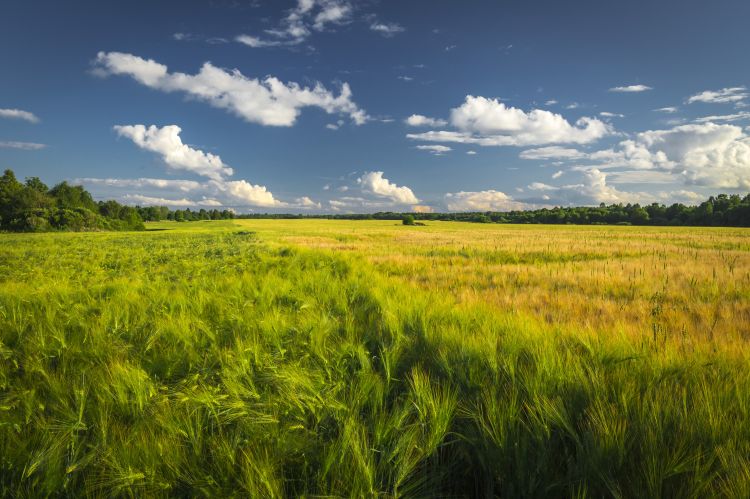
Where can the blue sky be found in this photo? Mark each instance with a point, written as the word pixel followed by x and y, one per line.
pixel 358 106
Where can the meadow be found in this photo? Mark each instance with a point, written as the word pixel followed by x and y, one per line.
pixel 330 358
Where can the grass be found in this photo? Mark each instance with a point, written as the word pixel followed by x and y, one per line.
pixel 273 358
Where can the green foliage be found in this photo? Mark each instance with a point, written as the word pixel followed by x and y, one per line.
pixel 32 207
pixel 720 211
pixel 407 219
pixel 212 363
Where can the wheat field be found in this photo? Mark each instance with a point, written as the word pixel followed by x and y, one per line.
pixel 321 358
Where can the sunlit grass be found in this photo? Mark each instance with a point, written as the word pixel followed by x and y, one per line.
pixel 272 358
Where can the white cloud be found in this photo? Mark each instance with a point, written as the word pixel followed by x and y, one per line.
pixel 255 42
pixel 744 115
pixel 557 174
pixel 405 78
pixel 471 153
pixel 374 183
pixel 299 22
pixel 550 102
pixel 539 186
pixel 269 102
pixel 489 200
pixel 611 115
pixel 437 150
pixel 723 96
pixel 140 183
pixel 552 152
pixel 707 154
pixel 19 114
pixel 243 193
pixel 306 203
pixel 631 88
pixel 421 208
pixel 331 12
pixel 489 122
pixel 420 120
pixel 138 199
pixel 167 143
pixel 387 29
pixel 25 146
pixel 668 110
pixel 594 188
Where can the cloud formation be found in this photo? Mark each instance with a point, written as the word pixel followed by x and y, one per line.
pixel 706 154
pixel 167 143
pixel 489 122
pixel 437 150
pixel 300 22
pixel 268 102
pixel 19 114
pixel 723 96
pixel 374 183
pixel 631 88
pixel 387 29
pixel 420 120
pixel 489 200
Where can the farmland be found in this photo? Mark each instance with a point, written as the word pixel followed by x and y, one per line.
pixel 267 358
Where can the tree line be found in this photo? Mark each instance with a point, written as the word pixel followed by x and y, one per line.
pixel 31 206
pixel 722 210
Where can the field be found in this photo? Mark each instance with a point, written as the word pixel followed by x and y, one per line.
pixel 287 358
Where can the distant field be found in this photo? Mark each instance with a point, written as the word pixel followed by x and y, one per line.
pixel 267 358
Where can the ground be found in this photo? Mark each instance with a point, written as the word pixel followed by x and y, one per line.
pixel 358 358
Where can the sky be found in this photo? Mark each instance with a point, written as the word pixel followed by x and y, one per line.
pixel 340 106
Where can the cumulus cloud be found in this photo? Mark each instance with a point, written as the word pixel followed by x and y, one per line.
pixel 167 143
pixel 723 96
pixel 421 208
pixel 25 146
pixel 387 29
pixel 19 114
pixel 668 110
pixel 706 154
pixel 420 120
pixel 436 150
pixel 595 188
pixel 306 203
pixel 631 88
pixel 269 102
pixel 592 190
pixel 611 115
pixel 374 183
pixel 489 122
pixel 490 200
pixel 300 21
pixel 709 154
